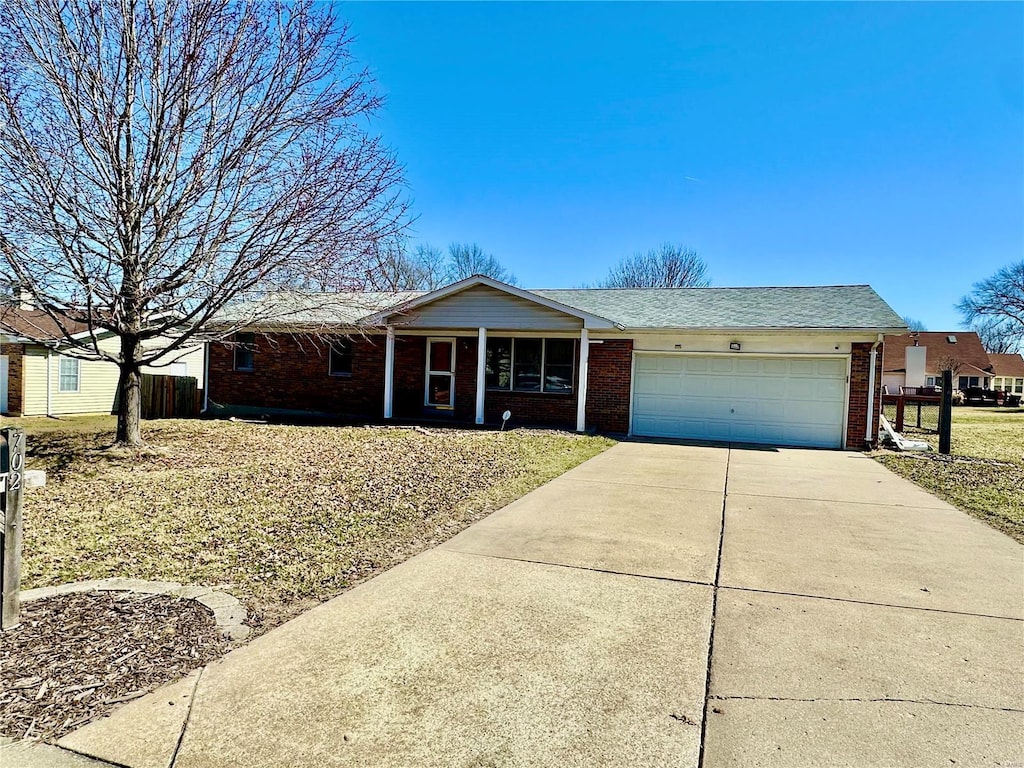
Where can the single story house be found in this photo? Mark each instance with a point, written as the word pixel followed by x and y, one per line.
pixel 39 378
pixel 789 366
pixel 1008 373
pixel 918 360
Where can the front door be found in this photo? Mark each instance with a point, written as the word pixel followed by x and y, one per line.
pixel 440 389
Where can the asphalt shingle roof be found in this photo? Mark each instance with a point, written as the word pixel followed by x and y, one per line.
pixel 1007 365
pixel 834 306
pixel 297 308
pixel 820 307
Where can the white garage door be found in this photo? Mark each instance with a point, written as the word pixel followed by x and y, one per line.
pixel 772 400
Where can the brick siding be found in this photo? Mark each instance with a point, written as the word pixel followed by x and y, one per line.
pixel 860 368
pixel 290 373
pixel 610 370
pixel 15 377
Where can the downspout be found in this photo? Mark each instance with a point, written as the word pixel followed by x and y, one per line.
pixel 869 437
pixel 49 387
pixel 206 378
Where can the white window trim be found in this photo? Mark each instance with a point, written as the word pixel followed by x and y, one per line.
pixel 574 365
pixel 61 359
pixel 449 373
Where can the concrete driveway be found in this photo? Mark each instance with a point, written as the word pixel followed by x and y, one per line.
pixel 845 616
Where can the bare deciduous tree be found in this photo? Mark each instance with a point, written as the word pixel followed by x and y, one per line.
pixel 914 325
pixel 949 363
pixel 998 338
pixel 161 160
pixel 466 260
pixel 995 309
pixel 668 266
pixel 428 267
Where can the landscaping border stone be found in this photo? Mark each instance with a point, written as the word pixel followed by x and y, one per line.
pixel 228 612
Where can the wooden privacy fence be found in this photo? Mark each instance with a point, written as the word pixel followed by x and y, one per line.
pixel 169 397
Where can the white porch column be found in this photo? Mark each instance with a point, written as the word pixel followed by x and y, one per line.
pixel 389 372
pixel 481 373
pixel 581 404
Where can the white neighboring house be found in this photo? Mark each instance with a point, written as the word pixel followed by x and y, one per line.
pixel 1008 373
pixel 37 379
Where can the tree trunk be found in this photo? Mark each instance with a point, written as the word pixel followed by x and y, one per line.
pixel 129 388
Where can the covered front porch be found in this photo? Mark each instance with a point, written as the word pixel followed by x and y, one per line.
pixel 454 375
pixel 474 349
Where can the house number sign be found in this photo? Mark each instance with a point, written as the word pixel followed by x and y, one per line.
pixel 12 473
pixel 12 462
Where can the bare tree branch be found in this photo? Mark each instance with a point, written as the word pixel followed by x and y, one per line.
pixel 995 309
pixel 163 161
pixel 667 266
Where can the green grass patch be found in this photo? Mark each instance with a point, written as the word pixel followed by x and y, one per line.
pixel 283 516
pixel 984 476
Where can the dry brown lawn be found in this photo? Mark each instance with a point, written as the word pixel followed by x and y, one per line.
pixel 281 516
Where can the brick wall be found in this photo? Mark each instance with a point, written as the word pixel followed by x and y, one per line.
pixel 860 367
pixel 15 377
pixel 611 366
pixel 290 372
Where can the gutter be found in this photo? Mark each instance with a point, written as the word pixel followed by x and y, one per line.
pixel 869 438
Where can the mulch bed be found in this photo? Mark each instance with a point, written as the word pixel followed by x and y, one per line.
pixel 75 657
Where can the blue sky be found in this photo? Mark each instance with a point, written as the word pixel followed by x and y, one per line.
pixel 789 144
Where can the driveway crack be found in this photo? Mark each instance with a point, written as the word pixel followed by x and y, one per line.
pixel 714 613
pixel 861 700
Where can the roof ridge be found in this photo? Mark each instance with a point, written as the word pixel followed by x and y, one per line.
pixel 705 288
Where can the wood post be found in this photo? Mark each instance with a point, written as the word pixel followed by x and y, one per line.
pixel 12 483
pixel 901 405
pixel 946 413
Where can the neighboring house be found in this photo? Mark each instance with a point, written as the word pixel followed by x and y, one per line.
pixel 1008 373
pixel 785 366
pixel 918 360
pixel 39 378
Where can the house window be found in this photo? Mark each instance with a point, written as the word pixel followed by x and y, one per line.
pixel 1018 387
pixel 70 378
pixel 530 365
pixel 244 343
pixel 527 362
pixel 966 382
pixel 499 364
pixel 340 363
pixel 931 381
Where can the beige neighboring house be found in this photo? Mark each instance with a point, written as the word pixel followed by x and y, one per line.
pixel 1008 373
pixel 37 378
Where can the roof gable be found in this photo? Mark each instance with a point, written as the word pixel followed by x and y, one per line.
pixel 495 288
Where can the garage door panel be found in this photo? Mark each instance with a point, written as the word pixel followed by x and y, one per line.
pixel 787 401
pixel 833 367
pixel 831 389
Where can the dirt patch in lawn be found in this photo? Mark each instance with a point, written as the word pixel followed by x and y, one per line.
pixel 75 657
pixel 280 516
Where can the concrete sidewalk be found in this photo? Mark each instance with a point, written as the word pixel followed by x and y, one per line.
pixel 857 621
